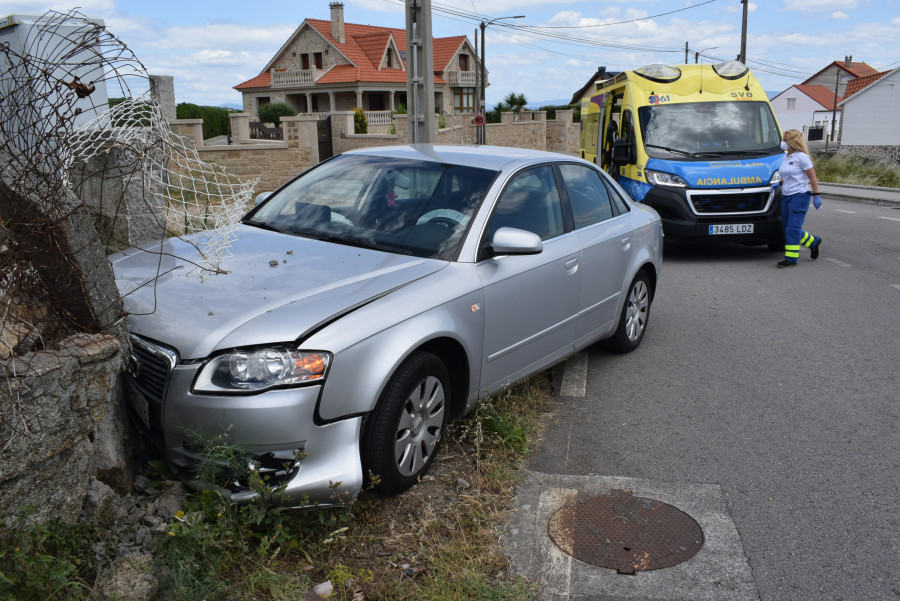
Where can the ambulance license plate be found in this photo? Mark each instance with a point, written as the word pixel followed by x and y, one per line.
pixel 731 228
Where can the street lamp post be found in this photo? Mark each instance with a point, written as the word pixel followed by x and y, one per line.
pixel 697 54
pixel 481 105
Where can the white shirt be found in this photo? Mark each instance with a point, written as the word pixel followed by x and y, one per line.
pixel 793 173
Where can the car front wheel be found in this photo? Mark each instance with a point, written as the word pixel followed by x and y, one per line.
pixel 635 315
pixel 404 431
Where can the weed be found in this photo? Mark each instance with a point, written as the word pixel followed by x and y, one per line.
pixel 852 169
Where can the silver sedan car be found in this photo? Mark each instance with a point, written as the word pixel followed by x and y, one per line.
pixel 375 297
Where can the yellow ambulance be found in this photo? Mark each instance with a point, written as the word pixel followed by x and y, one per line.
pixel 698 143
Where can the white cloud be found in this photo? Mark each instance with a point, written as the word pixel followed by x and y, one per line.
pixel 839 15
pixel 820 6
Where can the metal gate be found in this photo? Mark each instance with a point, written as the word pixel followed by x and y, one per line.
pixel 323 135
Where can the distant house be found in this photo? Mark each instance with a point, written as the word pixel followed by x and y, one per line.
pixel 584 94
pixel 870 110
pixel 811 104
pixel 331 65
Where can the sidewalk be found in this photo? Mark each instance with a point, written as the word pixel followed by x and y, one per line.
pixel 867 194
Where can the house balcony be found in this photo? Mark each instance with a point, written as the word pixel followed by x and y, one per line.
pixel 462 78
pixel 294 78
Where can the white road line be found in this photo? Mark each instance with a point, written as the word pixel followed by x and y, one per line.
pixel 843 211
pixel 574 382
pixel 889 218
pixel 553 564
pixel 841 263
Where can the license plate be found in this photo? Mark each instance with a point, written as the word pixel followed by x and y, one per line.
pixel 138 402
pixel 731 228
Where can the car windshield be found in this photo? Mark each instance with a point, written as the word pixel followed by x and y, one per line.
pixel 709 129
pixel 419 208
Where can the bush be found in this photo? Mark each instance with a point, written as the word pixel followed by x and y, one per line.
pixel 274 111
pixel 360 123
pixel 552 108
pixel 216 121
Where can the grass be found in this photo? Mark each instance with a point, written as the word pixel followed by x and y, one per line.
pixel 851 169
pixel 438 541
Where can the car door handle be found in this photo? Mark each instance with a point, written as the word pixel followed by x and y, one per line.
pixel 571 265
pixel 626 243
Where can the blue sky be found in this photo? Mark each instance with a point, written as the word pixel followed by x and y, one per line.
pixel 209 47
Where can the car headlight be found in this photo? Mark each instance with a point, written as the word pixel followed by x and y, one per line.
pixel 658 178
pixel 775 178
pixel 253 370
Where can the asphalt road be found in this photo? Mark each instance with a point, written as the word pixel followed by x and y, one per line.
pixel 764 403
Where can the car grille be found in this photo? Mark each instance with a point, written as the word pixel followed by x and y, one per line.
pixel 154 365
pixel 738 202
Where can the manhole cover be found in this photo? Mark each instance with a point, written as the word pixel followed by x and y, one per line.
pixel 625 533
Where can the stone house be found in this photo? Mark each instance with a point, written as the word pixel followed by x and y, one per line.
pixel 330 66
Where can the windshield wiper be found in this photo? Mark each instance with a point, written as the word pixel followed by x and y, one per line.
pixel 675 150
pixel 352 242
pixel 263 225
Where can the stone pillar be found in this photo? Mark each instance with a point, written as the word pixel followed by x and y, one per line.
pixel 359 102
pixel 191 130
pixel 539 115
pixel 309 102
pixel 401 124
pixel 331 107
pixel 162 89
pixel 240 127
pixel 393 94
pixel 303 134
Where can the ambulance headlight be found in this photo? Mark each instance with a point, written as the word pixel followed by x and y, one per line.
pixel 658 178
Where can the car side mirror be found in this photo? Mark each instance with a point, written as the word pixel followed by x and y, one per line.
pixel 513 241
pixel 622 152
pixel 262 196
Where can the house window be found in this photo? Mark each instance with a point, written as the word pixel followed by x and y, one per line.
pixel 389 59
pixel 464 100
pixel 463 62
pixel 304 62
pixel 791 103
pixel 318 58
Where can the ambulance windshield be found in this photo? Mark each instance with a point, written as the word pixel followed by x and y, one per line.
pixel 709 129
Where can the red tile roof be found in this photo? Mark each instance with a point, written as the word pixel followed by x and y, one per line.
pixel 854 69
pixel 820 94
pixel 364 46
pixel 855 85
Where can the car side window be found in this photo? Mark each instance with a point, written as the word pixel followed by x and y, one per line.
pixel 620 207
pixel 530 202
pixel 588 196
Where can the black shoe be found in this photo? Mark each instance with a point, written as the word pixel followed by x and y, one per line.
pixel 784 264
pixel 814 251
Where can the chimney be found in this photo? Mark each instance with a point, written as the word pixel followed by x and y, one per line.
pixel 848 60
pixel 337 22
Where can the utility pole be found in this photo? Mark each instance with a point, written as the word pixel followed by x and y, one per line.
pixel 419 72
pixel 837 83
pixel 482 139
pixel 742 57
pixel 685 53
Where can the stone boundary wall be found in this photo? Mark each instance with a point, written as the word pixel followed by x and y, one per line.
pixel 50 466
pixel 887 153
pixel 277 162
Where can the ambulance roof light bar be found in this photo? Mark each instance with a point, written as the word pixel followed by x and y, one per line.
pixel 660 73
pixel 731 70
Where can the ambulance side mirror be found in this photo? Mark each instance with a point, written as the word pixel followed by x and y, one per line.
pixel 622 152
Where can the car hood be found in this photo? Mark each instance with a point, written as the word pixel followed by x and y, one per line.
pixel 277 287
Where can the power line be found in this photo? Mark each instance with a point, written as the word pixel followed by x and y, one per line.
pixel 671 12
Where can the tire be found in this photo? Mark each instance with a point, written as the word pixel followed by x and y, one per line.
pixel 635 316
pixel 403 433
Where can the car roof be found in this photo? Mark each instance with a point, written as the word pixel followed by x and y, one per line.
pixel 485 157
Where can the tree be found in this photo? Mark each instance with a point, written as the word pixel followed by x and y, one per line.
pixel 274 111
pixel 515 102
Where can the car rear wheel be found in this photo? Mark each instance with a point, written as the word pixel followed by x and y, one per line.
pixel 404 431
pixel 635 315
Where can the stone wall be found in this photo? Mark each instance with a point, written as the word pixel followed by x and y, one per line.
pixel 49 458
pixel 886 153
pixel 276 162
